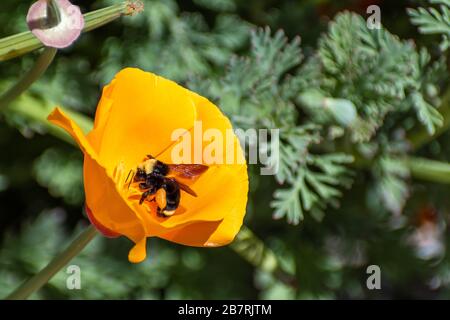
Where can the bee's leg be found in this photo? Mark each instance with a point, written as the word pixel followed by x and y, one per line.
pixel 159 213
pixel 143 186
pixel 144 196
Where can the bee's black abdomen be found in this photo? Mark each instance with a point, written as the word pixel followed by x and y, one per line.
pixel 172 194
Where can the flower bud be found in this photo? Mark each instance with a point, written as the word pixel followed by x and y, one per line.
pixel 343 111
pixel 56 23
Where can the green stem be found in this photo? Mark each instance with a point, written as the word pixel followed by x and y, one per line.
pixel 429 170
pixel 254 251
pixel 36 110
pixel 43 62
pixel 419 168
pixel 40 279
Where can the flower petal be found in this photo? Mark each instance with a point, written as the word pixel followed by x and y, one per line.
pixel 222 190
pixel 101 118
pixel 139 251
pixel 137 116
pixel 227 207
pixel 102 197
pixel 195 234
pixel 103 230
pixel 137 105
pixel 219 192
pixel 143 113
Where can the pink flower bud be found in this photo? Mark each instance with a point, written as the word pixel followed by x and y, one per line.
pixel 55 29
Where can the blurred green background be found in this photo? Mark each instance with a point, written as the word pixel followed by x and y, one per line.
pixel 384 217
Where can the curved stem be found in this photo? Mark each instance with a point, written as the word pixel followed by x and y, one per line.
pixel 255 252
pixel 40 279
pixel 43 62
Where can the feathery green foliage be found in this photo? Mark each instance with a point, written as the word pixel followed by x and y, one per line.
pixel 383 79
pixel 434 21
pixel 61 173
pixel 357 78
pixel 257 92
pixel 374 70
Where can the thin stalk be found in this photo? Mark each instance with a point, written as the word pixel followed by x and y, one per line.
pixel 429 170
pixel 41 65
pixel 419 168
pixel 40 279
pixel 35 111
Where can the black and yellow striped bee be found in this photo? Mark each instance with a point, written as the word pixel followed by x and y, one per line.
pixel 158 182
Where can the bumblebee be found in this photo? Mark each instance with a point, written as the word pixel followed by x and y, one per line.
pixel 157 181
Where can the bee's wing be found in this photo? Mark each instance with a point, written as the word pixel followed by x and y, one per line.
pixel 187 171
pixel 187 189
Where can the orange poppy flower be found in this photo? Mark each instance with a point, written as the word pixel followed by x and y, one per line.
pixel 136 116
